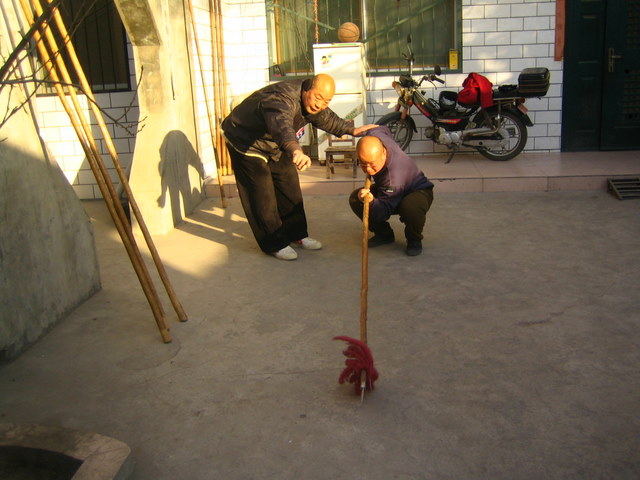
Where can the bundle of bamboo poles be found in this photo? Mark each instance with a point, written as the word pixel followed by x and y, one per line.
pixel 219 91
pixel 221 100
pixel 59 73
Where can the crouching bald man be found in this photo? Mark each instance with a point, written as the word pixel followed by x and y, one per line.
pixel 398 188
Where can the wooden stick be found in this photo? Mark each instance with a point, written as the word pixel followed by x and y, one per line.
pixel 121 174
pixel 365 265
pixel 365 281
pixel 206 101
pixel 104 182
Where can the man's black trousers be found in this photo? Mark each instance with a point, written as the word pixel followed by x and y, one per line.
pixel 412 210
pixel 271 198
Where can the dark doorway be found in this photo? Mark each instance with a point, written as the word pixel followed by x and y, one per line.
pixel 601 85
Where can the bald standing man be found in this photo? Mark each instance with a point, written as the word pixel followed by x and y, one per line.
pixel 263 134
pixel 398 188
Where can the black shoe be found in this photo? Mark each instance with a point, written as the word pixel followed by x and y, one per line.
pixel 378 240
pixel 414 247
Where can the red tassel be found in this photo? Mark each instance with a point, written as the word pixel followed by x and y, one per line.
pixel 359 358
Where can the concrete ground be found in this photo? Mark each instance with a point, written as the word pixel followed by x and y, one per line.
pixel 510 349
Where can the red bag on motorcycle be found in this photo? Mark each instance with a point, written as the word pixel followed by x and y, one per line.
pixel 476 89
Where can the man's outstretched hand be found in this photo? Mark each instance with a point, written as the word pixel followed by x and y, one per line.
pixel 360 131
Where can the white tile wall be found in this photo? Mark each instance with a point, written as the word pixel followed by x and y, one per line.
pixel 62 140
pixel 500 38
pixel 246 49
pixel 204 88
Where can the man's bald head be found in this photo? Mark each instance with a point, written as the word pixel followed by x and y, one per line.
pixel 324 84
pixel 372 155
pixel 317 98
pixel 369 146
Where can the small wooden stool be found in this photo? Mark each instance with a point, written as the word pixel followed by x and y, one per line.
pixel 344 146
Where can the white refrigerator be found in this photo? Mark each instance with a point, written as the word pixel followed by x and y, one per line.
pixel 345 62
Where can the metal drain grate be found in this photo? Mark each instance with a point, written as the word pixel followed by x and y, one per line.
pixel 624 188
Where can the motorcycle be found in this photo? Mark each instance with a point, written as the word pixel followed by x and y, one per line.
pixel 491 120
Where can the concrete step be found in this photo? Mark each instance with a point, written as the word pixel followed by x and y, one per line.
pixel 529 172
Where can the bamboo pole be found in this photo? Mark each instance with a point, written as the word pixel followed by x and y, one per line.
pixel 104 182
pixel 124 181
pixel 365 265
pixel 217 92
pixel 217 87
pixel 221 100
pixel 212 128
pixel 276 21
pixel 26 38
pixel 364 290
pixel 315 21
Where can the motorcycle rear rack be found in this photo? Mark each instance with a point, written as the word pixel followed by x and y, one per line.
pixel 513 93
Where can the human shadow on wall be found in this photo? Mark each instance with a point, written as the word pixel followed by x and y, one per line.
pixel 177 157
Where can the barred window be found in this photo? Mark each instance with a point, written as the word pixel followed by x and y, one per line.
pixel 435 27
pixel 99 40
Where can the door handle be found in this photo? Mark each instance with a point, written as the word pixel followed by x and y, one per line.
pixel 612 59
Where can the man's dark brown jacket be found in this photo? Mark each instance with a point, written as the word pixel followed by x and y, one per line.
pixel 271 120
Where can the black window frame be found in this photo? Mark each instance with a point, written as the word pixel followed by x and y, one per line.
pixel 100 42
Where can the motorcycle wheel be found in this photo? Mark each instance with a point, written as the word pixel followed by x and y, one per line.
pixel 400 129
pixel 517 138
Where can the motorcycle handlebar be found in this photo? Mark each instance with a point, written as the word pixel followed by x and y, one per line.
pixel 430 78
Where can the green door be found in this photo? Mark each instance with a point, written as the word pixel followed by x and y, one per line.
pixel 601 85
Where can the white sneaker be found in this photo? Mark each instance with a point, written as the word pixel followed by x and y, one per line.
pixel 287 253
pixel 308 243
